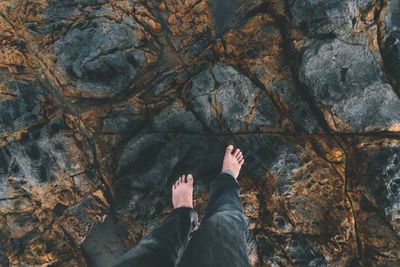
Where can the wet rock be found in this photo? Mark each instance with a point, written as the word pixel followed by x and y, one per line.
pixel 350 92
pixel 102 59
pixel 227 101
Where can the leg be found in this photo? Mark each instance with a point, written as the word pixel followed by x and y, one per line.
pixel 221 238
pixel 165 245
pixel 223 195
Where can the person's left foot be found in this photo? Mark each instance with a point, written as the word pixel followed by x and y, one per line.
pixel 182 192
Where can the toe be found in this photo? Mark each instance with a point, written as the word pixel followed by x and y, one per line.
pixel 190 178
pixel 229 149
pixel 182 179
pixel 236 152
pixel 240 157
pixel 241 161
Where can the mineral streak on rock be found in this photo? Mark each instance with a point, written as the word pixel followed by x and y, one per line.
pixel 103 104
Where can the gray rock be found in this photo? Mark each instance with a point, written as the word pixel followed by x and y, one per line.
pixel 391 41
pixel 21 104
pixel 322 17
pixel 345 81
pixel 176 118
pixel 376 108
pixel 302 253
pixel 46 156
pixel 225 15
pixel 392 18
pixel 391 53
pixel 79 219
pixel 126 120
pixel 268 153
pixel 326 16
pixel 227 101
pixel 102 59
pixel 3 257
pixel 385 165
pixel 46 183
pixel 122 124
pixel 299 110
pixel 298 249
pixel 104 244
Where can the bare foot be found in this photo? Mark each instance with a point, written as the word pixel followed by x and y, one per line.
pixel 182 192
pixel 232 161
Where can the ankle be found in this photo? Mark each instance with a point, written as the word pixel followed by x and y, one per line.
pixel 227 171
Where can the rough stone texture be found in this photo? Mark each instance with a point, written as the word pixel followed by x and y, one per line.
pixel 350 92
pixel 104 103
pixel 375 196
pixel 102 59
pixel 328 17
pixel 225 100
pixel 391 38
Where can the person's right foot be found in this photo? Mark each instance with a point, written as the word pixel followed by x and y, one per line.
pixel 232 161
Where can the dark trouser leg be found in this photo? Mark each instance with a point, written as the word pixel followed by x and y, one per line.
pixel 164 245
pixel 221 237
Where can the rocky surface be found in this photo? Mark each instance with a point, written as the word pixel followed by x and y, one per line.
pixel 104 103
